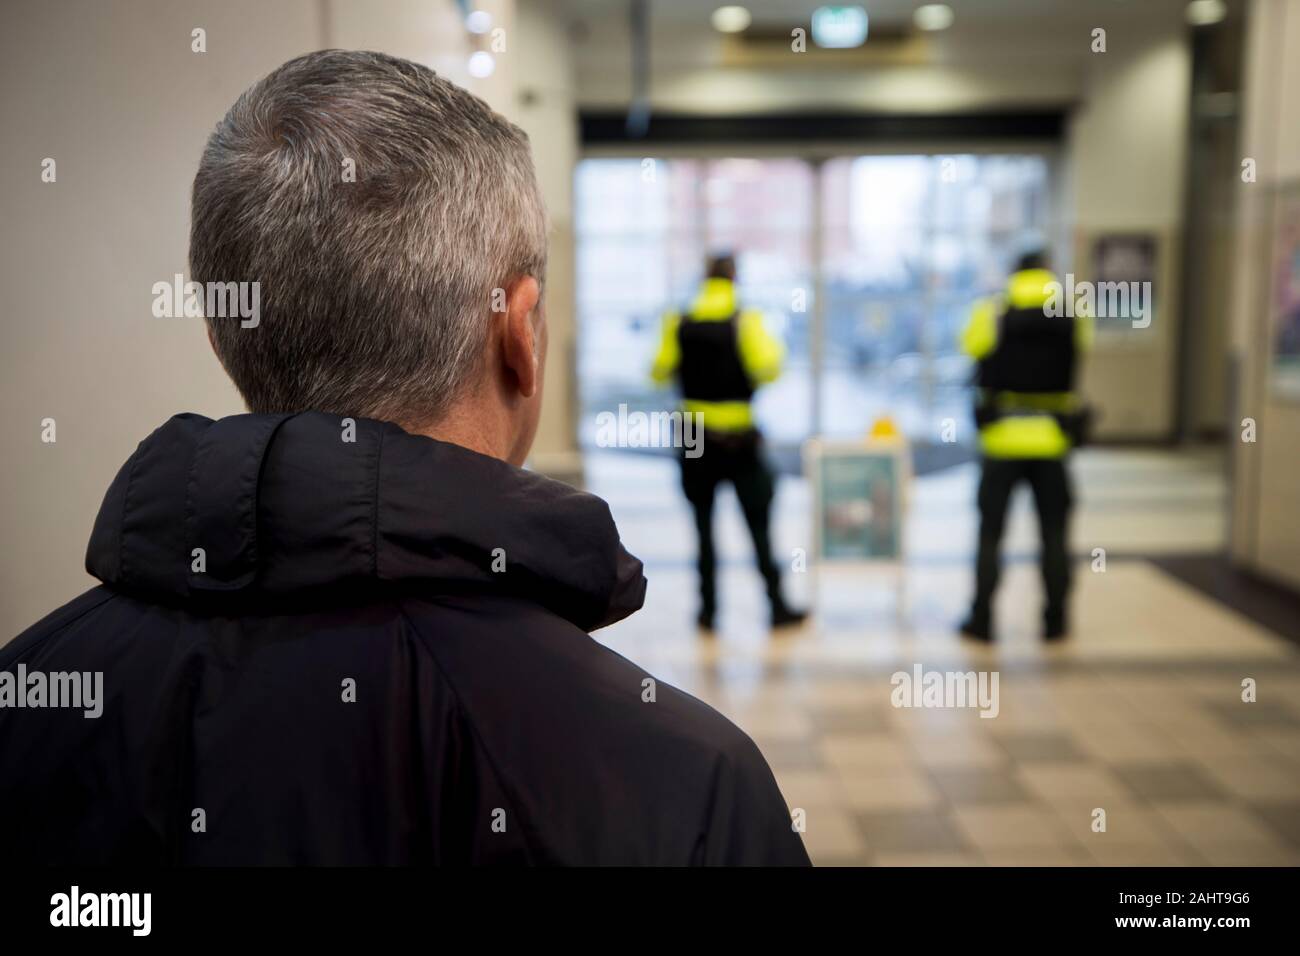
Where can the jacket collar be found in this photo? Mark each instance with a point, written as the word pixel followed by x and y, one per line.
pixel 1028 288
pixel 273 506
pixel 715 300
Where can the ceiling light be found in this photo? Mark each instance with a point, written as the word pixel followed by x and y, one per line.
pixel 481 64
pixel 479 21
pixel 730 19
pixel 933 16
pixel 1203 13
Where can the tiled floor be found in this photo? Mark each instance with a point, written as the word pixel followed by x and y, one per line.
pixel 1138 717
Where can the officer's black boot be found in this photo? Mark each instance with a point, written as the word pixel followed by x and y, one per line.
pixel 978 626
pixel 1054 625
pixel 785 616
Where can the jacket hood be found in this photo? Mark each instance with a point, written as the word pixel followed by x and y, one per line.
pixel 285 506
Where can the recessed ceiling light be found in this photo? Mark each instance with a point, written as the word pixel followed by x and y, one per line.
pixel 481 64
pixel 1203 13
pixel 731 19
pixel 933 16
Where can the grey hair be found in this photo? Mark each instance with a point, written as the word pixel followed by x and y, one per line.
pixel 376 295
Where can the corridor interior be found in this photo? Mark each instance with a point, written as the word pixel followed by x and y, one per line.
pixel 1140 714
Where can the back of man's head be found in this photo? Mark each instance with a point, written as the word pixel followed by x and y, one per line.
pixel 378 206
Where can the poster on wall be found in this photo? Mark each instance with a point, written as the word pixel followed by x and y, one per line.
pixel 1124 274
pixel 1284 301
pixel 858 492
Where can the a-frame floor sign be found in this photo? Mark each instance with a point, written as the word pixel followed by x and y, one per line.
pixel 859 498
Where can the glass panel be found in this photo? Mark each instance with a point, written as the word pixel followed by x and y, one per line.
pixel 874 211
pixel 761 209
pixel 629 229
pixel 910 243
pixel 643 230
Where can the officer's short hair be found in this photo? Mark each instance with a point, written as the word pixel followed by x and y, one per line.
pixel 1033 259
pixel 722 267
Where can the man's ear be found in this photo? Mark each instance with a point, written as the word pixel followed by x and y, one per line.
pixel 519 335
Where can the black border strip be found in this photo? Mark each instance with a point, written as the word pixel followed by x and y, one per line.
pixel 1269 604
pixel 605 127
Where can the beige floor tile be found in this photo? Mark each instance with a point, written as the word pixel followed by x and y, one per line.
pixel 838 693
pixel 1034 856
pixel 811 788
pixel 927 859
pixel 937 722
pixel 1200 736
pixel 1250 853
pixel 1009 826
pixel 1127 822
pixel 1281 741
pixel 784 723
pixel 1008 723
pixel 1272 685
pixel 958 750
pixel 849 752
pixel 1254 777
pixel 852 862
pixel 790 754
pixel 1073 784
pixel 1109 853
pixel 892 788
pixel 1207 826
pixel 1117 743
pixel 833 834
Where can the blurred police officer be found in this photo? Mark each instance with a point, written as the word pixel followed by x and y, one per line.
pixel 1029 418
pixel 719 353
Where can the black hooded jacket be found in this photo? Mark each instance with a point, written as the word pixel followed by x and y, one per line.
pixel 322 651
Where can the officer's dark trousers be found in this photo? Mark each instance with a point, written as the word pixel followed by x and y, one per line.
pixel 739 460
pixel 1051 486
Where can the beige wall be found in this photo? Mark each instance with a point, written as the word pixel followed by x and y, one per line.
pixel 112 92
pixel 544 107
pixel 1266 486
pixel 993 58
pixel 1126 159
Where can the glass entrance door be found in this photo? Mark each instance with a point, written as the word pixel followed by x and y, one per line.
pixel 910 242
pixel 644 229
pixel 899 246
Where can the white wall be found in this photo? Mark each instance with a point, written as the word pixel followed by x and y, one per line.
pixel 112 92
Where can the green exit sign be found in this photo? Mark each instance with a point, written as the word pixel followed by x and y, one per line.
pixel 839 27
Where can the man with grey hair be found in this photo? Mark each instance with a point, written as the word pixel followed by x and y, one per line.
pixel 347 627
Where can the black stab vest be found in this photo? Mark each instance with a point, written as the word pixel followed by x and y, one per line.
pixel 711 369
pixel 1034 353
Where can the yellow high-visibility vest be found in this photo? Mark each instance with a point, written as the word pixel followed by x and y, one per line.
pixel 761 353
pixel 1032 431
